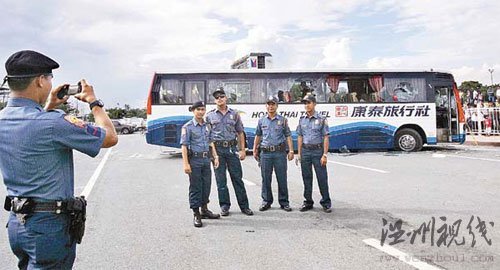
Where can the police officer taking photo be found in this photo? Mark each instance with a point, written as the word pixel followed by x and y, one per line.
pixel 312 142
pixel 270 136
pixel 196 146
pixel 36 159
pixel 227 133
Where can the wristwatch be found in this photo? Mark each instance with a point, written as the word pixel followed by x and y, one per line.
pixel 96 102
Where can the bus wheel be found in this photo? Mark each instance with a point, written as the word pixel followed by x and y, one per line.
pixel 408 140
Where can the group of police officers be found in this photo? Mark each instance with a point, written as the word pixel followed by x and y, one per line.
pixel 36 159
pixel 217 138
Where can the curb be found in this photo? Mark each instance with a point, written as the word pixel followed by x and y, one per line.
pixel 482 143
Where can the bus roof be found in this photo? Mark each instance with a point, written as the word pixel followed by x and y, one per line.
pixel 238 71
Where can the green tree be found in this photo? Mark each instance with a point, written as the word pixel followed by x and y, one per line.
pixel 116 113
pixel 470 85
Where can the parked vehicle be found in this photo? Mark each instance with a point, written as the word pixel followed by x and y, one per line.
pixel 123 128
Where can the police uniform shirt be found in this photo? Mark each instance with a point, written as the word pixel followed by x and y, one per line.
pixel 36 156
pixel 273 131
pixel 312 129
pixel 196 136
pixel 224 127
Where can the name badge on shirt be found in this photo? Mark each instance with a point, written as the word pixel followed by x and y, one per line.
pixel 231 117
pixel 279 122
pixel 317 122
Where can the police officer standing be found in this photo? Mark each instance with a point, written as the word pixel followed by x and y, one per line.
pixel 270 136
pixel 195 143
pixel 312 144
pixel 227 133
pixel 36 160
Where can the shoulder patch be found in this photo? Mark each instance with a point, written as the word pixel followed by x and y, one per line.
pixel 75 121
pixel 183 130
pixel 94 131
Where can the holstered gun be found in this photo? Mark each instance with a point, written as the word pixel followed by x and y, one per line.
pixel 77 209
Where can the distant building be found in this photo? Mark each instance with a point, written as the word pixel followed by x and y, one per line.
pixel 254 61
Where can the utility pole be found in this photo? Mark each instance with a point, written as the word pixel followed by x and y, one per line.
pixel 491 74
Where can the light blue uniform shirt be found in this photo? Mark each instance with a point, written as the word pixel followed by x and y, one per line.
pixel 312 129
pixel 196 136
pixel 36 150
pixel 273 131
pixel 224 127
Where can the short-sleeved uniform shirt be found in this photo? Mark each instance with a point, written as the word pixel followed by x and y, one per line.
pixel 273 131
pixel 36 149
pixel 312 129
pixel 224 127
pixel 196 136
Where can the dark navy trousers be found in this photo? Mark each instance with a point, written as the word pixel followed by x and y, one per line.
pixel 309 159
pixel 200 181
pixel 229 160
pixel 276 161
pixel 43 242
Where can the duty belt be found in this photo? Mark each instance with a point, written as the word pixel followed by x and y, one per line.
pixel 20 205
pixel 200 154
pixel 226 143
pixel 312 146
pixel 273 148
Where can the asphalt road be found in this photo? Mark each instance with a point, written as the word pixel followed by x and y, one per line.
pixel 139 217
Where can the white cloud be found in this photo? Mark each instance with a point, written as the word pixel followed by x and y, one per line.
pixel 119 46
pixel 384 63
pixel 481 74
pixel 337 53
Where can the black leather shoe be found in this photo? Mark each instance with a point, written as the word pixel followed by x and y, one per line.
pixel 205 213
pixel 224 212
pixel 264 207
pixel 327 209
pixel 286 208
pixel 247 211
pixel 197 220
pixel 305 207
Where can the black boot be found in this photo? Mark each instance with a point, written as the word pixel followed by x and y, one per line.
pixel 197 218
pixel 205 213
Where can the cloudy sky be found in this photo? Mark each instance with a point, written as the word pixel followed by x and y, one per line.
pixel 118 45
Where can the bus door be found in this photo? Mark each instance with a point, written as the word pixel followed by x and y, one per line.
pixel 447 126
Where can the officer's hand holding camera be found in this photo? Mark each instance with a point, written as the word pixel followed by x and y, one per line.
pixel 87 94
pixel 53 101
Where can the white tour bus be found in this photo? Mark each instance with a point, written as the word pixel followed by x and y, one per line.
pixel 366 109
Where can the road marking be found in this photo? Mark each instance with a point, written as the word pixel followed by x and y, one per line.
pixel 359 167
pixel 250 183
pixel 409 259
pixel 474 158
pixel 90 184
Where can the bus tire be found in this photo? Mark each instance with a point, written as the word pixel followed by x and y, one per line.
pixel 408 140
pixel 125 131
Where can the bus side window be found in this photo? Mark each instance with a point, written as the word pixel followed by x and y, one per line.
pixel 171 92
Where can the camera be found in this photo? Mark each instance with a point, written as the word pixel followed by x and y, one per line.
pixel 69 90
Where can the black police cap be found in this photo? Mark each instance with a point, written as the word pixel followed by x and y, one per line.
pixel 195 105
pixel 29 64
pixel 219 91
pixel 309 97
